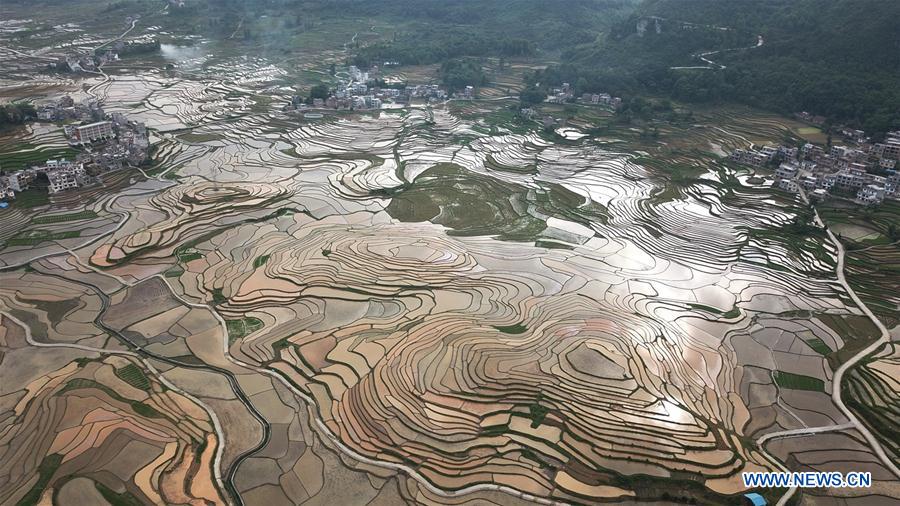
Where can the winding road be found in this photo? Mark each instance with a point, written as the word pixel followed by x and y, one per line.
pixel 711 65
pixel 854 422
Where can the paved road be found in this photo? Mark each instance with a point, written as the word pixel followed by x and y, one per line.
pixel 711 65
pixel 854 422
pixel 122 35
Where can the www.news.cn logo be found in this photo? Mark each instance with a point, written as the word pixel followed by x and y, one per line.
pixel 808 480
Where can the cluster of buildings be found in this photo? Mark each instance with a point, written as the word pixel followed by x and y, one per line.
pixel 810 118
pixel 67 110
pixel 765 155
pixel 602 98
pixel 866 170
pixel 61 175
pixel 110 144
pixel 566 93
pixel 88 134
pixel 360 92
pixel 546 121
pixel 561 95
pixel 79 63
pixel 91 62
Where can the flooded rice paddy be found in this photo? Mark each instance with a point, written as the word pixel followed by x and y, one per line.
pixel 400 297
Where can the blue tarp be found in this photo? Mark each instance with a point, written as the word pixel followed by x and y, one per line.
pixel 755 499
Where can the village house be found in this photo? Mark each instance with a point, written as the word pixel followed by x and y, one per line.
pixel 86 134
pixel 786 171
pixel 845 168
pixel 870 194
pixel 789 185
pixel 66 178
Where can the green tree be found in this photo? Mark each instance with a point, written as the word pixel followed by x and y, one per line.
pixel 317 91
pixel 532 96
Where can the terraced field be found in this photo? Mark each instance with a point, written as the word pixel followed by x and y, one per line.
pixel 422 306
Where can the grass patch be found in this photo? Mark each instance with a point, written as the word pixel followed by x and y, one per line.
pixel 281 344
pixel 46 469
pixel 218 296
pixel 145 410
pixel 798 382
pixel 61 218
pixel 260 261
pixel 240 328
pixel 512 329
pixel 32 197
pixel 537 412
pixel 495 430
pixel 184 255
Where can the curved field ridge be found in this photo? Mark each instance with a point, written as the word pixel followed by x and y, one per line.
pixel 450 340
pixel 400 307
pixel 187 208
pixel 107 421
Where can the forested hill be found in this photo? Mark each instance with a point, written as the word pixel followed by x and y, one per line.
pixel 856 33
pixel 437 30
pixel 835 58
pixel 422 31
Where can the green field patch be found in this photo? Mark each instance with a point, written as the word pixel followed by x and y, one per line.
pixel 511 329
pixel 218 296
pixel 495 430
pixel 731 313
pixel 46 469
pixel 195 137
pixel 32 197
pixel 240 328
pixel 537 412
pixel 551 244
pixel 60 218
pixel 812 134
pixel 186 255
pixel 134 376
pixel 851 326
pixel 23 159
pixel 260 261
pixel 172 175
pixel 174 272
pixel 798 381
pixel 137 406
pixel 35 237
pixel 818 346
pixel 476 205
pixel 281 344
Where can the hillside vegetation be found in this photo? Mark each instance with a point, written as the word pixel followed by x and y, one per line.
pixel 835 58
